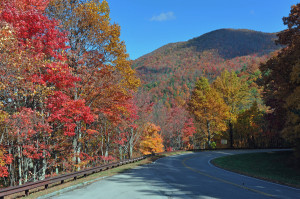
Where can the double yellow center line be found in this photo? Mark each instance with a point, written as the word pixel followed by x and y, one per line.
pixel 222 180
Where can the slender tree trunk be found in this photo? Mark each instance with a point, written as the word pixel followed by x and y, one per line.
pixel 107 146
pixel 231 134
pixel 11 171
pixel 56 167
pixel 179 144
pixel 125 151
pixel 75 143
pixel 79 149
pixel 120 152
pixel 34 171
pixel 130 151
pixel 44 161
pixel 25 169
pixel 44 166
pixel 102 140
pixel 20 165
pixel 106 140
pixel 208 134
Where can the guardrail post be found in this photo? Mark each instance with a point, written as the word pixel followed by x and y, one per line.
pixel 46 186
pixel 84 175
pixel 26 192
pixel 62 181
pixel 75 178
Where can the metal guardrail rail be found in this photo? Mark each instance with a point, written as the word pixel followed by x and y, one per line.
pixel 61 178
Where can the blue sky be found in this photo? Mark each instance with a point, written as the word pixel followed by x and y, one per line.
pixel 149 24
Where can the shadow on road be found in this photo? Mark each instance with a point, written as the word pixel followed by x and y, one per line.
pixel 166 177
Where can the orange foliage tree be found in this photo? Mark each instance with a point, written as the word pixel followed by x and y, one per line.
pixel 152 141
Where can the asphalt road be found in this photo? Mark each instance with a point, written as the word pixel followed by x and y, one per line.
pixel 183 176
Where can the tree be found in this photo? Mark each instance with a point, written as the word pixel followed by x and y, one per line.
pixel 142 107
pixel 175 124
pixel 234 92
pixel 281 81
pixel 188 134
pixel 63 108
pixel 99 59
pixel 33 69
pixel 152 141
pixel 90 30
pixel 249 128
pixel 208 108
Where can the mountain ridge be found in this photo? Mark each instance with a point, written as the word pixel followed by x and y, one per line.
pixel 206 41
pixel 169 73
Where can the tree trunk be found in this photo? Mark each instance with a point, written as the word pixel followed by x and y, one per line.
pixel 25 169
pixel 120 152
pixel 106 141
pixel 231 134
pixel 107 146
pixel 44 166
pixel 56 168
pixel 11 171
pixel 208 134
pixel 78 149
pixel 20 165
pixel 130 151
pixel 102 139
pixel 34 171
pixel 74 149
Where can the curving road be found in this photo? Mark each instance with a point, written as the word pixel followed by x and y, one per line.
pixel 183 176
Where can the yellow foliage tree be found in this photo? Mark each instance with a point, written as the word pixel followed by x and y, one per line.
pixel 208 108
pixel 235 93
pixel 152 141
pixel 90 30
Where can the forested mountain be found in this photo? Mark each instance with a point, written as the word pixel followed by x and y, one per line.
pixel 222 43
pixel 229 43
pixel 178 65
pixel 169 73
pixel 232 43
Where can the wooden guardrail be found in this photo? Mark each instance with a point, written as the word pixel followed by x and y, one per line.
pixel 61 178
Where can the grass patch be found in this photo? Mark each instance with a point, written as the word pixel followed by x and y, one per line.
pixel 273 166
pixel 34 193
